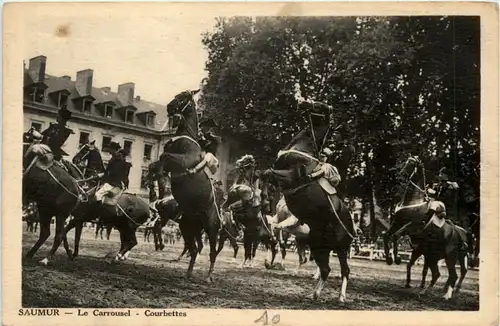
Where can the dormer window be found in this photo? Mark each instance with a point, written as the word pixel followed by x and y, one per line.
pixel 86 106
pixel 150 120
pixel 108 110
pixel 37 94
pixel 62 99
pixel 129 116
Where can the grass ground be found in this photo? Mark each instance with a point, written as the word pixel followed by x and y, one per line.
pixel 149 280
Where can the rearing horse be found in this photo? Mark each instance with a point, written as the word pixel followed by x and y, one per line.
pixel 409 214
pixel 311 198
pixel 193 191
pixel 245 200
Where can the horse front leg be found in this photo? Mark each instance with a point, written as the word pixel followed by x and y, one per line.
pixel 247 244
pixel 392 234
pixel 78 234
pixel 60 236
pixel 44 233
pixel 415 254
pixel 212 232
pixel 433 265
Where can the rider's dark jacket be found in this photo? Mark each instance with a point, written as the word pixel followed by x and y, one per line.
pixel 55 136
pixel 117 171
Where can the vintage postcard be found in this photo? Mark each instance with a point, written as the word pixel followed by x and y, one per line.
pixel 250 164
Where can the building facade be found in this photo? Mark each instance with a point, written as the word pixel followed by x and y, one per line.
pixel 97 114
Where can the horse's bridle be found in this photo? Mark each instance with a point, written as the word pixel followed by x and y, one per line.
pixel 313 134
pixel 180 112
pixel 418 164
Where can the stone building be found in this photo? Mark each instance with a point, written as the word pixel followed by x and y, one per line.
pixel 98 114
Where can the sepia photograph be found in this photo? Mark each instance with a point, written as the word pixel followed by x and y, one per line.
pixel 247 160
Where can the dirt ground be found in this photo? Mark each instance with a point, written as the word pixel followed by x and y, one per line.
pixel 148 280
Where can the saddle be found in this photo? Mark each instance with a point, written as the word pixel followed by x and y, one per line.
pixel 44 158
pixel 112 196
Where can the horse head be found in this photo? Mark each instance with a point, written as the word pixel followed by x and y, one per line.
pixel 316 112
pixel 182 112
pixel 411 177
pixel 81 155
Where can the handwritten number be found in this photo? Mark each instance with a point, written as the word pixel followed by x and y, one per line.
pixel 275 319
pixel 264 316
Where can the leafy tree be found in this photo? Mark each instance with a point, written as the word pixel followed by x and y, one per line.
pixel 399 86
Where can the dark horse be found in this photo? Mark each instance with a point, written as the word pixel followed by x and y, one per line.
pixel 310 199
pixel 55 193
pixel 410 217
pixel 193 191
pixel 245 200
pixel 59 193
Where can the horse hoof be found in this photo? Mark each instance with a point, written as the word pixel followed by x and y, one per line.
pixel 44 261
pixel 422 286
pixel 389 261
pixel 342 299
pixel 210 280
pixel 397 261
pixel 315 296
pixel 407 286
pixel 447 297
pixel 266 264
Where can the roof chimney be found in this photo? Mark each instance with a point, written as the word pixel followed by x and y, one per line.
pixel 137 98
pixel 36 68
pixel 126 93
pixel 84 82
pixel 106 89
pixel 66 77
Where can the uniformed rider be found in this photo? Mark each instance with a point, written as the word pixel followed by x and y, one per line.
pixel 57 133
pixel 115 178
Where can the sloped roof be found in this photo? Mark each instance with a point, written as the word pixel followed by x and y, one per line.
pixel 55 84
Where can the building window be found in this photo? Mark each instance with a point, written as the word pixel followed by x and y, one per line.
pixel 150 120
pixel 127 145
pixel 62 99
pixel 129 116
pixel 37 126
pixel 108 110
pixel 84 138
pixel 144 179
pixel 37 95
pixel 106 140
pixel 147 151
pixel 87 107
